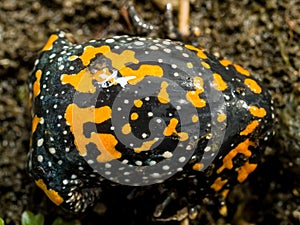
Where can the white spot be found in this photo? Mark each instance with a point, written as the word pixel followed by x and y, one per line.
pixel 138 163
pixel 59 162
pixel 185 55
pixel 110 40
pixel 126 101
pixel 107 165
pixel 167 50
pixel 174 66
pixel 160 60
pixel 144 135
pixel 112 128
pixel 182 159
pixel 179 48
pixel 188 148
pixel 55 106
pixel 150 114
pixel 71 68
pixel 52 150
pixel 178 107
pixel 167 154
pixel 147 99
pixel 52 56
pixel 40 142
pixel 158 120
pixel 65 181
pixel 165 167
pixel 153 47
pixel 139 43
pixel 155 175
pixel 65 132
pixel 207 148
pixel 90 161
pixel 152 163
pixel 61 67
pixel 67 149
pixel 176 74
pixel 40 158
pixel 107 173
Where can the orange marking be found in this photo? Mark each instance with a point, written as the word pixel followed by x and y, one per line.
pixel 49 44
pixel 146 146
pixel 193 96
pixel 218 83
pixel 198 166
pixel 200 53
pixel 163 95
pixel 225 62
pixel 134 116
pixel 252 85
pixel 106 144
pixel 245 170
pixel 90 52
pixel 225 193
pixel 241 148
pixel 250 128
pixel 195 118
pixel 138 103
pixel 205 65
pixel 52 195
pixel 218 184
pixel 37 83
pixel 221 117
pixel 141 73
pixel 241 70
pixel 171 130
pixel 258 112
pixel 76 118
pixel 183 136
pixel 119 61
pixel 223 210
pixel 73 57
pixel 83 81
pixel 35 122
pixel 126 129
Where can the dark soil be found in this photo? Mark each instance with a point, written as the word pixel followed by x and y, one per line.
pixel 262 36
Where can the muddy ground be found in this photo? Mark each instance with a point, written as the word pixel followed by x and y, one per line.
pixel 263 36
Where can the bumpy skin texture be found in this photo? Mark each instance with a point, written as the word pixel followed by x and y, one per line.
pixel 92 109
